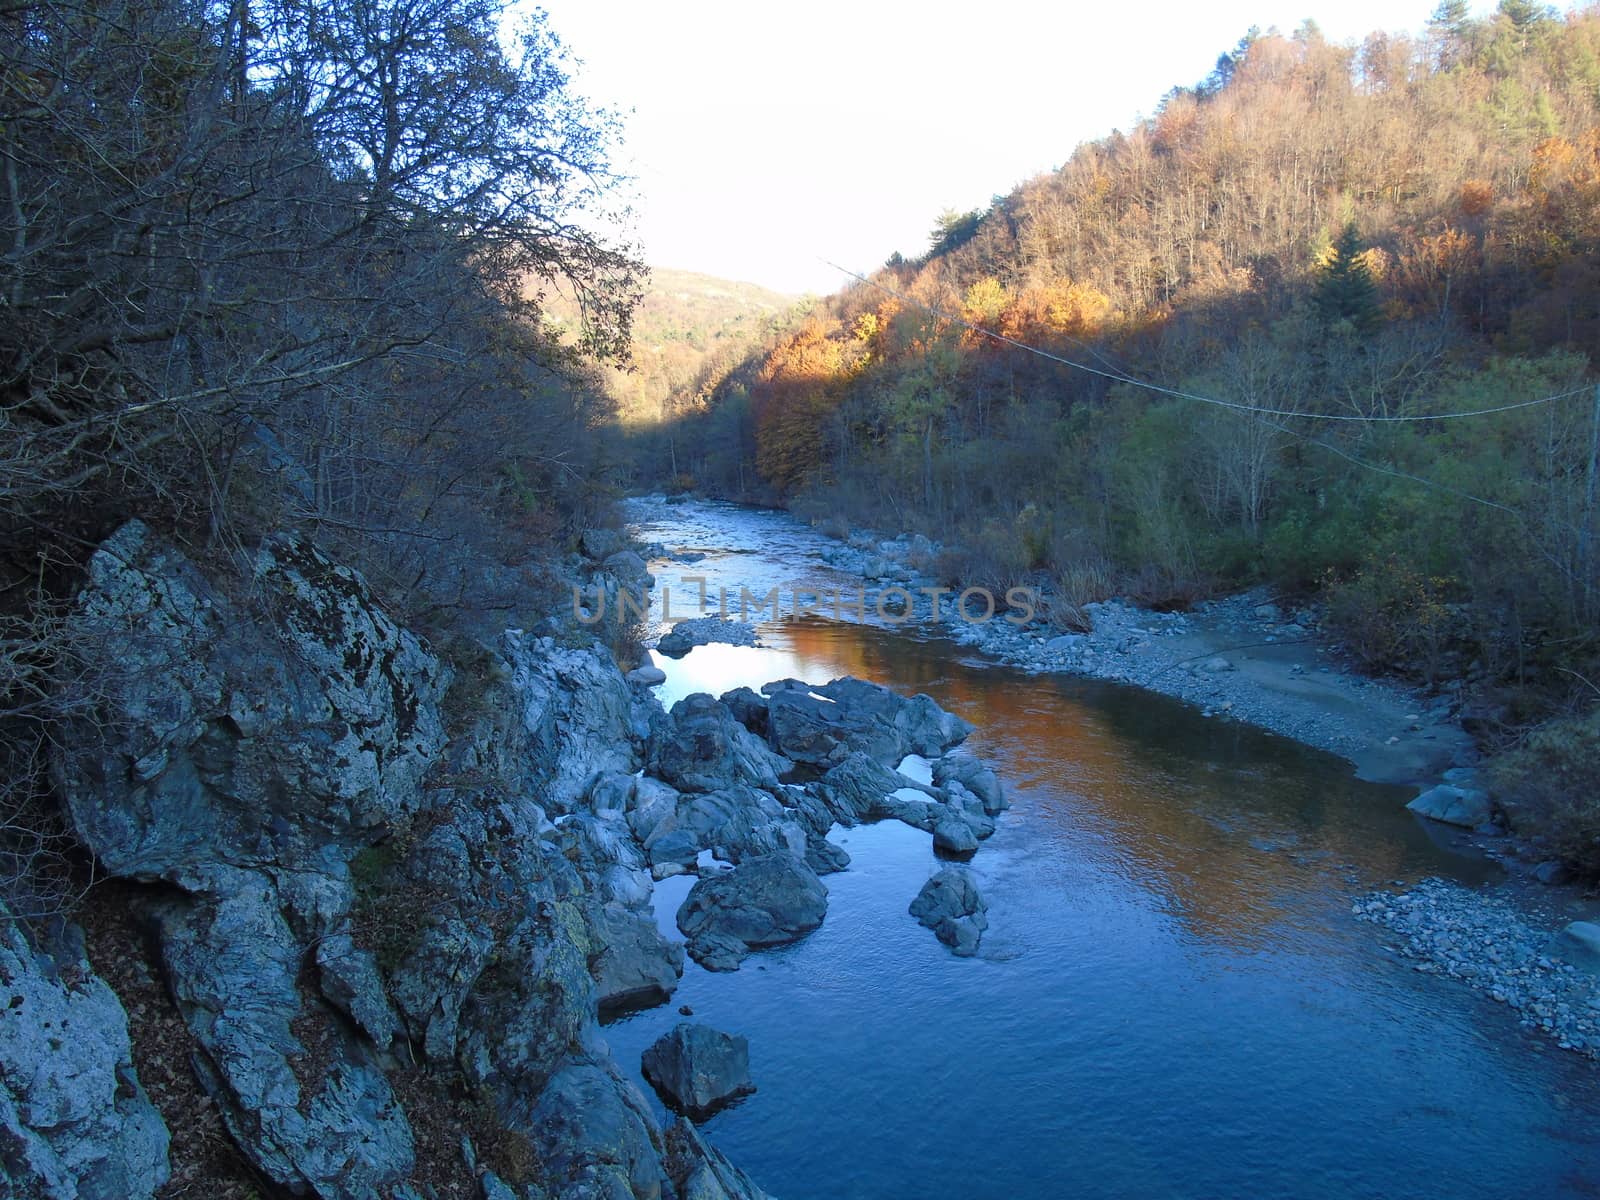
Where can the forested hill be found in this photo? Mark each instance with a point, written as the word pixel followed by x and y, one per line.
pixel 1341 234
pixel 688 329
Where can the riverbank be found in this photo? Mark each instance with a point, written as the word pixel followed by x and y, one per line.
pixel 1242 658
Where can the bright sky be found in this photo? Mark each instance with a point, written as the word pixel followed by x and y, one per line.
pixel 767 136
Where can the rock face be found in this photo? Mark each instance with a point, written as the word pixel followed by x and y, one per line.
pixel 73 1119
pixel 576 714
pixel 698 1069
pixel 226 739
pixel 949 904
pixel 232 962
pixel 1466 807
pixel 703 631
pixel 764 901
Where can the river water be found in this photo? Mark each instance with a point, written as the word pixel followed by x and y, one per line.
pixel 1172 998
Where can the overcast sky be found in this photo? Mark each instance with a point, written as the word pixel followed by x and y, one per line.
pixel 766 137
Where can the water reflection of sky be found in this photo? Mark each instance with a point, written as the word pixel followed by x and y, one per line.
pixel 1172 998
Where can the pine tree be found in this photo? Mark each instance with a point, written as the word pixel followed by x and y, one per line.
pixel 1346 292
pixel 1450 18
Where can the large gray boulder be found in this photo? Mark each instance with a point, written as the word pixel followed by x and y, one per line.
pixel 1466 807
pixel 576 714
pixel 698 1069
pixel 74 1120
pixel 764 901
pixel 703 749
pixel 950 905
pixel 635 966
pixel 704 631
pixel 217 739
pixel 823 726
pixel 737 823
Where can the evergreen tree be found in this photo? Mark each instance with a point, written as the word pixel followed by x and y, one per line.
pixel 1450 18
pixel 1524 14
pixel 1346 292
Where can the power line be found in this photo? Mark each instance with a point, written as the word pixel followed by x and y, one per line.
pixel 1122 377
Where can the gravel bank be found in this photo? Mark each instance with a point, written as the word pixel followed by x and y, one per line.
pixel 1485 942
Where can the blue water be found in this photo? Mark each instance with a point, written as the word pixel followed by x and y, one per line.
pixel 1172 999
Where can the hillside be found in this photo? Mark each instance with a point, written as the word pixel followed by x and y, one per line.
pixel 1275 300
pixel 688 328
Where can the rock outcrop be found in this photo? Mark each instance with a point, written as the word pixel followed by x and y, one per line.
pixel 337 881
pixel 337 887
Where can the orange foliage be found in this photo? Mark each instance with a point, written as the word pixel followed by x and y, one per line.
pixel 1075 309
pixel 1477 197
pixel 794 395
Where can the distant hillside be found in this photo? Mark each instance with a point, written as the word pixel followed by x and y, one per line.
pixel 1254 313
pixel 688 331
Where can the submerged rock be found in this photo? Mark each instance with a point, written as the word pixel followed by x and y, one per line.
pixel 698 1068
pixel 74 1120
pixel 704 631
pixel 950 905
pixel 764 901
pixel 953 836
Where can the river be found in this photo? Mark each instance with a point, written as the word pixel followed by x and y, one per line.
pixel 1172 999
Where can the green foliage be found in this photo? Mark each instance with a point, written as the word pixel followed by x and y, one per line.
pixel 1346 293
pixel 952 230
pixel 1549 788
